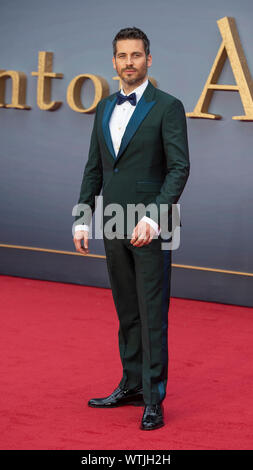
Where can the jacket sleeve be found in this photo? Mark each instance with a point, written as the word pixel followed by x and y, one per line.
pixel 92 177
pixel 175 144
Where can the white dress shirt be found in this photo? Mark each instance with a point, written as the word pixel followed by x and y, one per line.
pixel 118 122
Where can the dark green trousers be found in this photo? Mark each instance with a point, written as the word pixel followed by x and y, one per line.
pixel 140 281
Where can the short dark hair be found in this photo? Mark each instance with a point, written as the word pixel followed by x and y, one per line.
pixel 131 33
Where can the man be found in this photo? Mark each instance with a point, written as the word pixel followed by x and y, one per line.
pixel 138 154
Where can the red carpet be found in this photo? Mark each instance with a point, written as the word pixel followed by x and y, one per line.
pixel 59 347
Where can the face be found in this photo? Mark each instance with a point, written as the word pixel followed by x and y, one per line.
pixel 131 61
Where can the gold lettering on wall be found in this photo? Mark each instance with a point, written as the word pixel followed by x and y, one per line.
pixel 74 92
pixel 230 48
pixel 18 98
pixel 44 74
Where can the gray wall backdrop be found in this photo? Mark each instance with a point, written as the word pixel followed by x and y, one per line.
pixel 43 153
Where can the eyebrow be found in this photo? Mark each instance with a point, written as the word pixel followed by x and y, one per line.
pixel 134 52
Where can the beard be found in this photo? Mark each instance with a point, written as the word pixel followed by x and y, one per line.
pixel 137 77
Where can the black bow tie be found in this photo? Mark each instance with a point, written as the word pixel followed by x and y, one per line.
pixel 122 98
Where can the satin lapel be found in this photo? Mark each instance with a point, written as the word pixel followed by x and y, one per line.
pixel 105 124
pixel 142 109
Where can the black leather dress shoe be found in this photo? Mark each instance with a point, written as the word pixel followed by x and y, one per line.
pixel 119 397
pixel 152 417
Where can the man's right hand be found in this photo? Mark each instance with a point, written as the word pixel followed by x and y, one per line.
pixel 78 237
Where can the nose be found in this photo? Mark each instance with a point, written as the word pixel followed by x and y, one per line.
pixel 129 60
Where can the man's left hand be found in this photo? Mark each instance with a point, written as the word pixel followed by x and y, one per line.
pixel 142 234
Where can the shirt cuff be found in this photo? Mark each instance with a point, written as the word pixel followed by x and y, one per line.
pixel 82 227
pixel 152 223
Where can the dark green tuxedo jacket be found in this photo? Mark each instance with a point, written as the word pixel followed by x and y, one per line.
pixel 152 165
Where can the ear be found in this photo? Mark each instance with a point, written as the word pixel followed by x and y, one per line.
pixel 149 60
pixel 114 63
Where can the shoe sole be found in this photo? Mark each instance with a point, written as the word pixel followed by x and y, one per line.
pixel 152 429
pixel 133 403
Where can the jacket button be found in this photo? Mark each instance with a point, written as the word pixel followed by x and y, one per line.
pixel 116 170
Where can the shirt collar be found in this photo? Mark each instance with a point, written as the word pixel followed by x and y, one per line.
pixel 138 91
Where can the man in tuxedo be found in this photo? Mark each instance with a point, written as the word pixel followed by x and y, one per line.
pixel 138 155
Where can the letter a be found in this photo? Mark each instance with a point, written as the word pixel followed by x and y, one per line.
pixel 230 47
